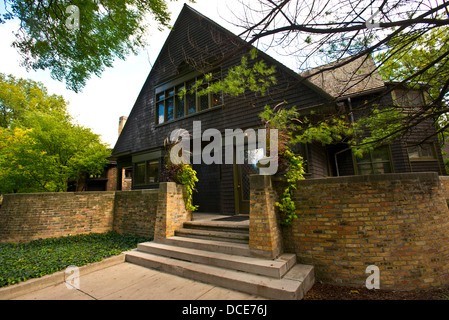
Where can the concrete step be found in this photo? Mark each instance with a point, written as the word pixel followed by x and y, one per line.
pixel 292 286
pixel 271 268
pixel 241 249
pixel 213 225
pixel 229 236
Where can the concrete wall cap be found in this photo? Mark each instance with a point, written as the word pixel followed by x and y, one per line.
pixel 387 177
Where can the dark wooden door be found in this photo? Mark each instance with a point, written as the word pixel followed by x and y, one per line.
pixel 207 195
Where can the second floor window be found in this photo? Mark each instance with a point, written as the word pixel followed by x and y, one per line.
pixel 422 152
pixel 180 100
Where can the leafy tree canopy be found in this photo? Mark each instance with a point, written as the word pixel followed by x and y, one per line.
pixel 19 97
pixel 41 146
pixel 416 58
pixel 49 39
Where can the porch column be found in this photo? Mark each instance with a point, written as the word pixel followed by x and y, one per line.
pixel 265 239
pixel 171 210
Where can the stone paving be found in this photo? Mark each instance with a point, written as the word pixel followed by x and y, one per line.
pixel 126 281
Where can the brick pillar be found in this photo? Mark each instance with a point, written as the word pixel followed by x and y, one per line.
pixel 171 210
pixel 265 239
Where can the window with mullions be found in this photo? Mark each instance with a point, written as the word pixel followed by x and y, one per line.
pixel 165 105
pixel 422 152
pixel 408 98
pixel 375 162
pixel 171 104
pixel 146 172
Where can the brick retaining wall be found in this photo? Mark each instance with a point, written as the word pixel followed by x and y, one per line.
pixel 30 216
pixel 398 222
pixel 135 212
pixel 25 217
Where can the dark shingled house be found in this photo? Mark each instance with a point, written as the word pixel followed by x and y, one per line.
pixel 192 49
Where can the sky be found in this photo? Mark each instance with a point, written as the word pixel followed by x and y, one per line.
pixel 103 100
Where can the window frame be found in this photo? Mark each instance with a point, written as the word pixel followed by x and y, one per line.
pixel 404 102
pixel 373 163
pixel 183 82
pixel 146 179
pixel 434 156
pixel 403 97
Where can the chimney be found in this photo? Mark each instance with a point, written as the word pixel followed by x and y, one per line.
pixel 121 124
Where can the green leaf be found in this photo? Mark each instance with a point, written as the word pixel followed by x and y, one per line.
pixel 108 30
pixel 41 148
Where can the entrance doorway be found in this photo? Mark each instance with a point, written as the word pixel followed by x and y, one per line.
pixel 242 173
pixel 207 194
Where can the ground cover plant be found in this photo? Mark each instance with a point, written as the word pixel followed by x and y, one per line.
pixel 23 261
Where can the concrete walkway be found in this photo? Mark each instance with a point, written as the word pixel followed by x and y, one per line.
pixel 126 281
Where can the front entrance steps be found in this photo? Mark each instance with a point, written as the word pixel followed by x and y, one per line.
pixel 271 268
pixel 213 234
pixel 217 229
pixel 222 261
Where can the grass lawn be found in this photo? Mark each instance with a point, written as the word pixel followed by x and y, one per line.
pixel 23 261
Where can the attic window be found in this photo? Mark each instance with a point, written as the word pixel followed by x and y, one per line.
pixel 172 104
pixel 407 98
